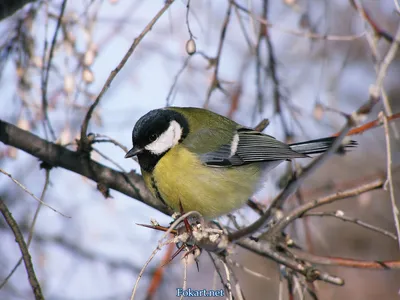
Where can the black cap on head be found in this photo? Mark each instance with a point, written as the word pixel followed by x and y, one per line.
pixel 154 123
pixel 148 129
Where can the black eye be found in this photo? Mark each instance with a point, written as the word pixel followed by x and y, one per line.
pixel 153 137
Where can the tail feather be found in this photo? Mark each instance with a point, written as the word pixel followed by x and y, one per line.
pixel 320 146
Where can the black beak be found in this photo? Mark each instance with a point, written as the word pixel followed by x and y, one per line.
pixel 134 151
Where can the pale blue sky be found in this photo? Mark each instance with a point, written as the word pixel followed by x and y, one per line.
pixel 107 226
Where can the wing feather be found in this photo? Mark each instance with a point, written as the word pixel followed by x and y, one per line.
pixel 253 146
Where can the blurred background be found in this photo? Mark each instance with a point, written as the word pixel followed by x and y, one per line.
pixel 315 61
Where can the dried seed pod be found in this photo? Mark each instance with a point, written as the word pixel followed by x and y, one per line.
pixel 65 137
pixel 88 58
pixel 69 83
pixel 87 75
pixel 23 124
pixel 290 2
pixel 190 46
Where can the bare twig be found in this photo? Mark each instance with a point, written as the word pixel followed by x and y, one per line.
pixel 289 280
pixel 242 27
pixel 228 279
pixel 31 230
pixel 185 263
pixel 158 275
pixel 46 72
pixel 382 66
pixel 262 125
pixel 24 250
pixel 267 250
pixel 299 211
pixel 177 75
pixel 390 55
pixel 346 262
pixel 306 223
pixel 389 112
pixel 370 125
pixel 273 71
pixel 397 4
pixel 238 288
pixel 187 20
pixel 43 73
pixel 161 243
pixel 340 215
pixel 31 194
pixel 262 31
pixel 368 19
pixel 218 271
pixel 247 270
pixel 109 159
pixel 389 180
pixel 158 248
pixel 109 140
pixel 281 286
pixel 305 34
pixel 215 83
pixel 132 48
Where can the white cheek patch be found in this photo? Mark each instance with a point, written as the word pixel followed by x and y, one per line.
pixel 234 144
pixel 166 140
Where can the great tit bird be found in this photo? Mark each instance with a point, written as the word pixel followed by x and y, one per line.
pixel 194 159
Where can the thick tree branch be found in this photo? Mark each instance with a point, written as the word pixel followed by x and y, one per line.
pixel 55 155
pixel 346 262
pixel 9 7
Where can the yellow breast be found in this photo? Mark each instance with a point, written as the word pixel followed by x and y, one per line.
pixel 179 177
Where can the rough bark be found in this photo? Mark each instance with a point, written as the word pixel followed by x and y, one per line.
pixel 54 155
pixel 9 7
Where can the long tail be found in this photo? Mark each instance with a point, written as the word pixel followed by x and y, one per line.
pixel 320 146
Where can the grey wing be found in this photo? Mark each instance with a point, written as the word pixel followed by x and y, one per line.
pixel 248 146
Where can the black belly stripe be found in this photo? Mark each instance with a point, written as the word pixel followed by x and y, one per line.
pixel 158 194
